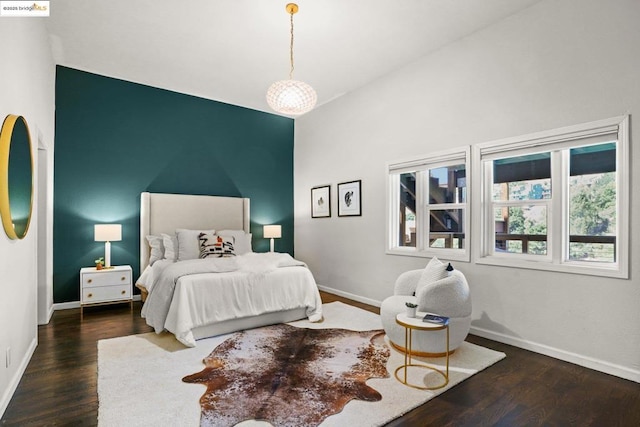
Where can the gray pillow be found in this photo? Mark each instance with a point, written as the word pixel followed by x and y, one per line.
pixel 157 248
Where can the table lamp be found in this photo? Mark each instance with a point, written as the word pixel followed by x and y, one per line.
pixel 107 233
pixel 272 232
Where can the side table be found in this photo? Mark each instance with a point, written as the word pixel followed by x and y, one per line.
pixel 106 286
pixel 410 324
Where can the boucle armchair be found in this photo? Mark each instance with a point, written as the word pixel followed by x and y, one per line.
pixel 448 296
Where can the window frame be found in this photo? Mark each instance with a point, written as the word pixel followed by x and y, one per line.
pixel 558 209
pixel 421 165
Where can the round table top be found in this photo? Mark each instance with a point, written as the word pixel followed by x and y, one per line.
pixel 417 323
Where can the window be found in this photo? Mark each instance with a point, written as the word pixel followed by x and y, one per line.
pixel 521 201
pixel 428 206
pixel 557 200
pixel 592 203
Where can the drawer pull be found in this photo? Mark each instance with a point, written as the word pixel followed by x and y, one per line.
pixel 89 281
pixel 90 295
pixel 123 278
pixel 123 292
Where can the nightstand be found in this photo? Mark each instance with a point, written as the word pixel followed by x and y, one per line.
pixel 106 286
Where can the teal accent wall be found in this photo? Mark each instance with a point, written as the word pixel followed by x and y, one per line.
pixel 115 139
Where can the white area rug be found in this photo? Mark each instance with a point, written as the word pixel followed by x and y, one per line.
pixel 140 377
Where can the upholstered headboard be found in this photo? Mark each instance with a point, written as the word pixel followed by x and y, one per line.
pixel 164 213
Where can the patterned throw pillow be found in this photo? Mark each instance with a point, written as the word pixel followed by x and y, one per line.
pixel 188 244
pixel 212 245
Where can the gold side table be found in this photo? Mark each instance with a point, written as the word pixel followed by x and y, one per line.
pixel 410 324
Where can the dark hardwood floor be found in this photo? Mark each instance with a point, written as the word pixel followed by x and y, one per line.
pixel 525 389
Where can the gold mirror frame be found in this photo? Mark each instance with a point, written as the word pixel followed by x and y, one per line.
pixel 6 135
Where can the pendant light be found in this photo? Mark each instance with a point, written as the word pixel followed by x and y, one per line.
pixel 291 97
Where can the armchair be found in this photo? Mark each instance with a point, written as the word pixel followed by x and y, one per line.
pixel 449 296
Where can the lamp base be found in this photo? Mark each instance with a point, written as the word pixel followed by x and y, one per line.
pixel 107 255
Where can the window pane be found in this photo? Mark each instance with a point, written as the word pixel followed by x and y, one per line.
pixel 593 159
pixel 592 204
pixel 537 189
pixel 448 185
pixel 521 229
pixel 522 178
pixel 408 224
pixel 446 228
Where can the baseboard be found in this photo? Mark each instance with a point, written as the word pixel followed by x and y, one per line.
pixel 66 305
pixel 350 296
pixel 587 362
pixel 13 384
pixel 49 314
pixel 76 304
pixel 577 359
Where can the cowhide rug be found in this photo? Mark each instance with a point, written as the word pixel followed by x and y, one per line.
pixel 289 376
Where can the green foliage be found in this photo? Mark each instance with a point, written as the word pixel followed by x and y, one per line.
pixel 528 221
pixel 593 213
pixel 593 205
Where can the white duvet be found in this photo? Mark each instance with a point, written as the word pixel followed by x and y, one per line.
pixel 188 294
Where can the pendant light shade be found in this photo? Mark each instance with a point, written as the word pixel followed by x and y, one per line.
pixel 291 97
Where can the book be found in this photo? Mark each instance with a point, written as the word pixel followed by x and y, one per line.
pixel 434 318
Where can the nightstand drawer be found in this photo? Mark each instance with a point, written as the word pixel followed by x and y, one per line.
pixel 106 278
pixel 106 293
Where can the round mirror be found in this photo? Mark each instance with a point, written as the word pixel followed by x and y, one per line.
pixel 16 176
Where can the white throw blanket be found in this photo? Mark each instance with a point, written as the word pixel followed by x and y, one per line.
pixel 188 294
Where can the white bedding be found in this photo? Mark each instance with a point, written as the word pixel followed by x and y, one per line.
pixel 225 288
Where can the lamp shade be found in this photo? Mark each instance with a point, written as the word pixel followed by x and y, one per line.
pixel 107 232
pixel 291 97
pixel 272 231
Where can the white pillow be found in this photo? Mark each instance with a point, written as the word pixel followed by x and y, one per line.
pixel 157 248
pixel 242 240
pixel 188 244
pixel 434 271
pixel 170 244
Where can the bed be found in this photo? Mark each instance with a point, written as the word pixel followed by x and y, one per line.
pixel 199 298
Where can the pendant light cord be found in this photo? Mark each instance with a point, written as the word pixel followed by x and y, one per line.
pixel 291 49
pixel 291 97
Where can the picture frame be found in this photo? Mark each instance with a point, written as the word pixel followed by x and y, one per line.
pixel 321 201
pixel 349 198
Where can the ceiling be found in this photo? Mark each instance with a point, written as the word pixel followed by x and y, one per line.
pixel 232 50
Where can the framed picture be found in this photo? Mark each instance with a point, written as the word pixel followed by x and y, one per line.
pixel 349 201
pixel 321 202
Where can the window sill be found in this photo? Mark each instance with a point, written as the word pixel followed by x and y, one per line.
pixel 614 271
pixel 442 254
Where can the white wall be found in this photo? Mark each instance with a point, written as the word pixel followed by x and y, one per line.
pixel 45 229
pixel 558 63
pixel 27 83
